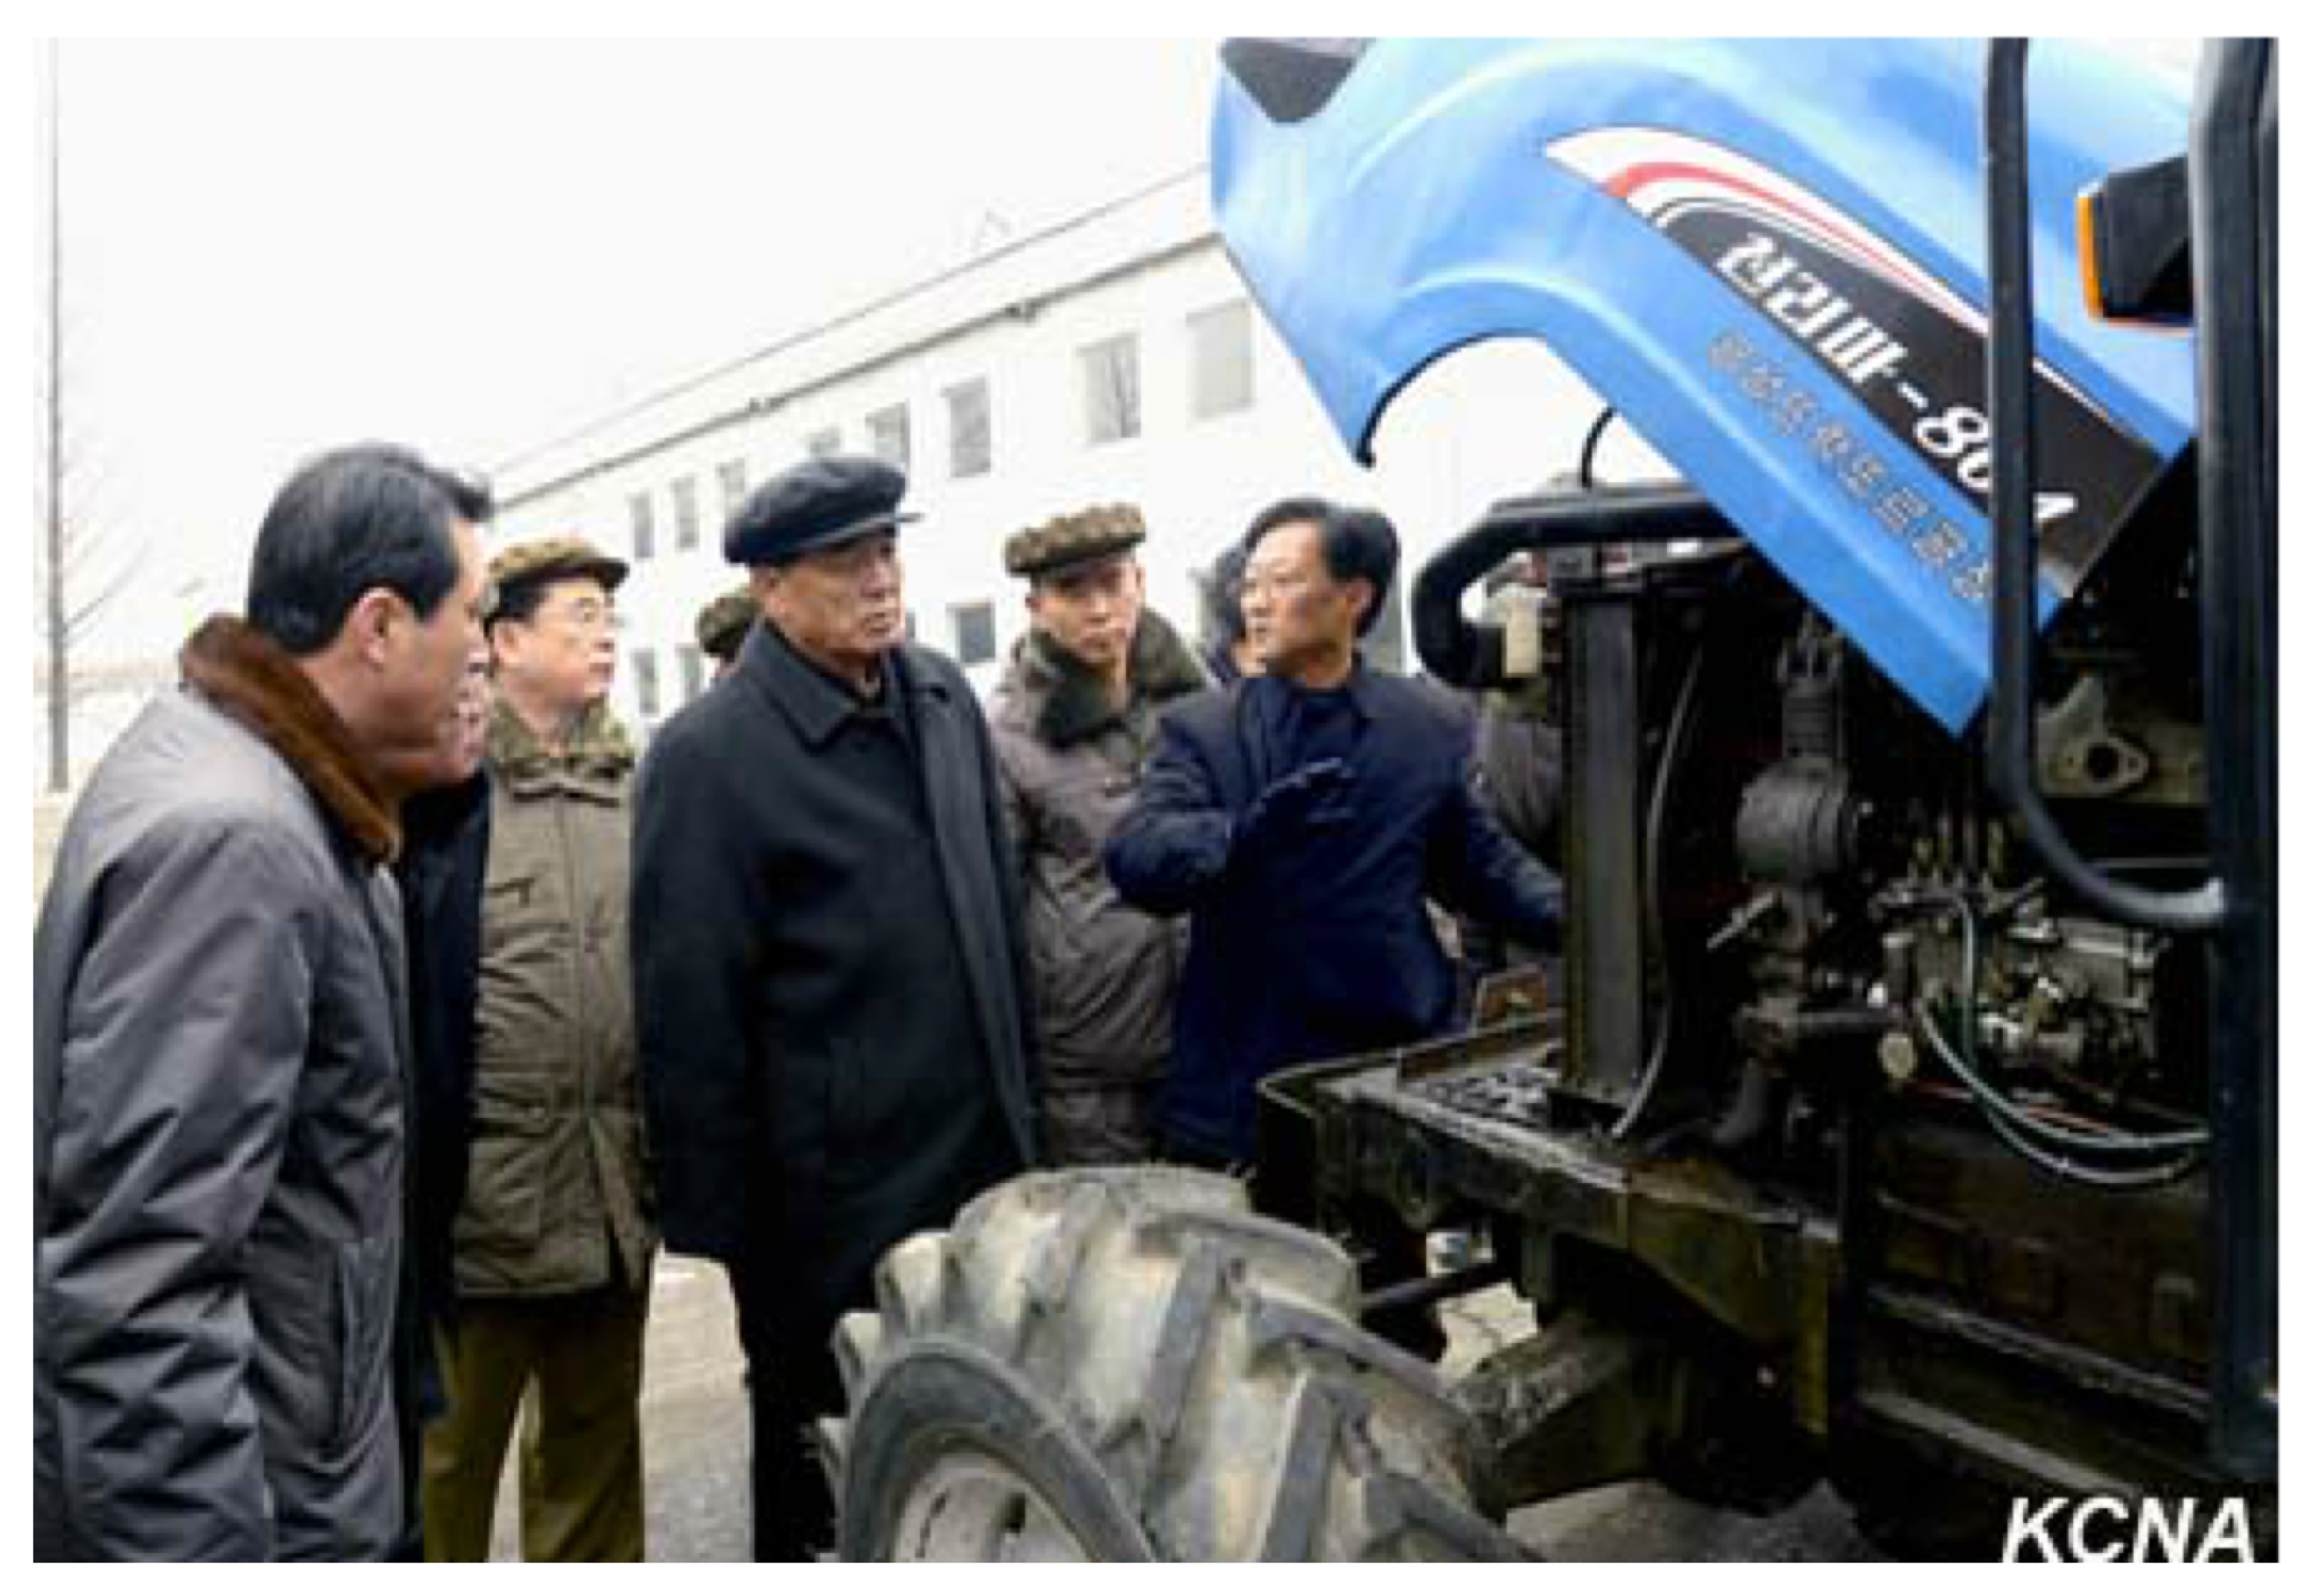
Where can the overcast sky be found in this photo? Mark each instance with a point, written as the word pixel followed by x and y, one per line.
pixel 273 248
pixel 473 245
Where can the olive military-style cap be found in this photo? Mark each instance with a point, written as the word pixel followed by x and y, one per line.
pixel 530 564
pixel 724 622
pixel 813 505
pixel 1056 546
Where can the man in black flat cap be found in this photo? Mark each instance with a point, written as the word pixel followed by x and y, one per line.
pixel 832 1022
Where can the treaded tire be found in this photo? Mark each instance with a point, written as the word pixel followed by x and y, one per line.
pixel 1164 1374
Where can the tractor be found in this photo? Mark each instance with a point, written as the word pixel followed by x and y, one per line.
pixel 1904 1115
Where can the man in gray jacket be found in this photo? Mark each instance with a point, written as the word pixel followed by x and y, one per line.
pixel 218 1029
pixel 1073 723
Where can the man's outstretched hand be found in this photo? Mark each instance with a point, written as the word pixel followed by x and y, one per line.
pixel 1309 797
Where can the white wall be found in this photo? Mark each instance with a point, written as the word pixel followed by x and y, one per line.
pixel 1490 421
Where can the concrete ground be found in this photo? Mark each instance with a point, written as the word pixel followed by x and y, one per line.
pixel 697 1454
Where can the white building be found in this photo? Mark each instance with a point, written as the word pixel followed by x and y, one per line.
pixel 1114 357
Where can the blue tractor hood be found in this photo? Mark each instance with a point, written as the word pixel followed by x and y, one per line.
pixel 1768 254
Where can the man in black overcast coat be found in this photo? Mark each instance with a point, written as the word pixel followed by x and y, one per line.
pixel 831 1019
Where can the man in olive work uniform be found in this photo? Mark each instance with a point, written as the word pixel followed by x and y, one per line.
pixel 552 1242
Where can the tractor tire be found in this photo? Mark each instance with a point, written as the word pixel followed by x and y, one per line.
pixel 1126 1365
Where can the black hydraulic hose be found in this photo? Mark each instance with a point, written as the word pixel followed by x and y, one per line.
pixel 2232 191
pixel 1467 655
pixel 1588 447
pixel 2234 196
pixel 2013 722
pixel 1680 722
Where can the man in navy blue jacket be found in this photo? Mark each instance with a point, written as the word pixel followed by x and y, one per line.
pixel 1304 817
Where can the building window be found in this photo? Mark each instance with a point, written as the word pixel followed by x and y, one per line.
pixel 890 436
pixel 688 670
pixel 823 444
pixel 1109 390
pixel 688 514
pixel 973 631
pixel 648 669
pixel 1221 364
pixel 970 427
pixel 732 484
pixel 641 525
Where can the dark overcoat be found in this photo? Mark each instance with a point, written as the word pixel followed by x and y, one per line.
pixel 1319 945
pixel 795 1111
pixel 447 838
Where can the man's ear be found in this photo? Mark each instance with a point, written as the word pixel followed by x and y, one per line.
pixel 1367 601
pixel 496 651
pixel 371 623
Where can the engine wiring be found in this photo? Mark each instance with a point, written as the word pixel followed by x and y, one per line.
pixel 2036 1138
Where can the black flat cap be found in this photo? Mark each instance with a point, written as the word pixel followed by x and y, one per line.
pixel 813 505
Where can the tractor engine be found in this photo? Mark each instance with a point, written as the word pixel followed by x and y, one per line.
pixel 1789 886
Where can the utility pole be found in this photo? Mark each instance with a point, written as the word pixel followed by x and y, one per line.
pixel 59 652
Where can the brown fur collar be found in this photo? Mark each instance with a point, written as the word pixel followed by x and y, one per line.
pixel 250 677
pixel 599 745
pixel 1066 699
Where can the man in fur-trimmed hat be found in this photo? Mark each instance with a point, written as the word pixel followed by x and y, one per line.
pixel 550 1234
pixel 723 625
pixel 1072 722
